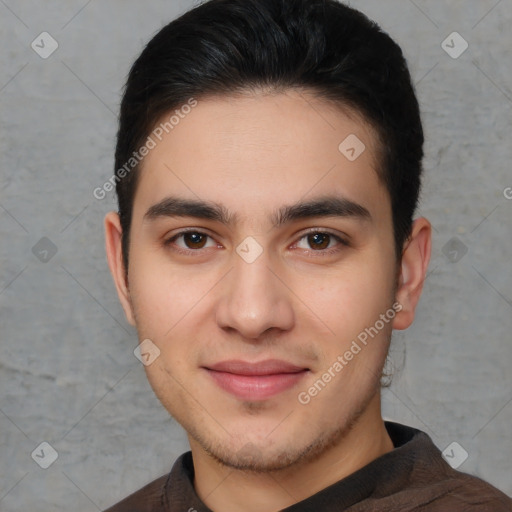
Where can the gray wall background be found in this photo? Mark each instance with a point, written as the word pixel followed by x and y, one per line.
pixel 68 375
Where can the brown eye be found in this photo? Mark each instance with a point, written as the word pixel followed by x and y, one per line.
pixel 194 240
pixel 191 241
pixel 321 242
pixel 318 241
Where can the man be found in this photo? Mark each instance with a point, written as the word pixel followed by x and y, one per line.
pixel 268 168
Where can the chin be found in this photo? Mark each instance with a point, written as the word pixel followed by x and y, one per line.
pixel 256 459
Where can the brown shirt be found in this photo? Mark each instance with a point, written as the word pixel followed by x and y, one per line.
pixel 412 477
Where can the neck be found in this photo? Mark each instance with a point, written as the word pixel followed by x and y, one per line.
pixel 222 488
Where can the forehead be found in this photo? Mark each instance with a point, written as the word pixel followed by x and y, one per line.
pixel 254 152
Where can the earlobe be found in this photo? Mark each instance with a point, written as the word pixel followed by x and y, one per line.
pixel 113 246
pixel 415 260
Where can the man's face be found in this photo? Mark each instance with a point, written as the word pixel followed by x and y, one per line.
pixel 298 288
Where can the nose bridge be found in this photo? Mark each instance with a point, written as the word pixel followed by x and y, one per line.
pixel 254 300
pixel 252 281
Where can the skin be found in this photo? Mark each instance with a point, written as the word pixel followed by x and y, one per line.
pixel 300 301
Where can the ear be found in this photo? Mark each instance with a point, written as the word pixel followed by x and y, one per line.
pixel 113 237
pixel 413 269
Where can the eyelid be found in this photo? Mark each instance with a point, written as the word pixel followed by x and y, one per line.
pixel 199 231
pixel 342 240
pixel 168 240
pixel 326 231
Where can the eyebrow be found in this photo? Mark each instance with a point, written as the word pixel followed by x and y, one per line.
pixel 327 206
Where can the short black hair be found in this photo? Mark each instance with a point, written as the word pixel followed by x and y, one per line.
pixel 224 47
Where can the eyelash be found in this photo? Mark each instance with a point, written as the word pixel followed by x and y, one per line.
pixel 321 252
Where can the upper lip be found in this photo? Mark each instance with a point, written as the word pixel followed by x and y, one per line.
pixel 267 367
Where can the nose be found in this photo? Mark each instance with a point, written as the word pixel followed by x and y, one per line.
pixel 254 300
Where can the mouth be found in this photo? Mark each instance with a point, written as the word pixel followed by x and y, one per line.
pixel 256 381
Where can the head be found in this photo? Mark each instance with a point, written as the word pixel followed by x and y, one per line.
pixel 285 138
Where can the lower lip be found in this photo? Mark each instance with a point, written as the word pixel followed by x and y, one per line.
pixel 256 387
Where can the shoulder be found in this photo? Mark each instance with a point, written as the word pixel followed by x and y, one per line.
pixel 434 485
pixel 149 498
pixel 464 492
pixel 460 492
pixel 172 491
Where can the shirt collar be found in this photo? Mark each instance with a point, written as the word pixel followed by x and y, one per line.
pixel 383 475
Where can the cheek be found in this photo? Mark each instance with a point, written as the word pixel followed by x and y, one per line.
pixel 161 295
pixel 170 306
pixel 347 299
pixel 152 304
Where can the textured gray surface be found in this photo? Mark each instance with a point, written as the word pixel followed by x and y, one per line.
pixel 68 375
